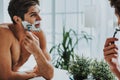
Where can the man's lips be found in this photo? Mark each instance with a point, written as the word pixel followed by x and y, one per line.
pixel 37 24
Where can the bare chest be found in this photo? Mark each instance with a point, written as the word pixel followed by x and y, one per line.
pixel 18 53
pixel 15 52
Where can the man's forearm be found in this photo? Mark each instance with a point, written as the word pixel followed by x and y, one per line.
pixel 116 71
pixel 21 76
pixel 44 66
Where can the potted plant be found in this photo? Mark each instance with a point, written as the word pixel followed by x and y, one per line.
pixel 100 70
pixel 80 68
pixel 64 51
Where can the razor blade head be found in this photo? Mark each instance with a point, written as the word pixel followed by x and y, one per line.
pixel 27 25
pixel 116 30
pixel 30 27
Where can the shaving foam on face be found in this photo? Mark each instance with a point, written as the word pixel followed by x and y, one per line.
pixel 30 27
pixel 37 22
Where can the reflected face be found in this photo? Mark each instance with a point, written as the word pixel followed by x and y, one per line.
pixel 32 16
pixel 118 17
pixel 117 26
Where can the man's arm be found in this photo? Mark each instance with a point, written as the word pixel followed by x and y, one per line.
pixel 32 45
pixel 111 56
pixel 6 72
pixel 116 71
pixel 42 41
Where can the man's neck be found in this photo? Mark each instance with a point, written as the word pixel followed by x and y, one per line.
pixel 18 31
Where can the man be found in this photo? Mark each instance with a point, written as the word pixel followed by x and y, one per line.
pixel 110 49
pixel 17 44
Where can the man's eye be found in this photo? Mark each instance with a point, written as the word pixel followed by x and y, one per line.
pixel 32 15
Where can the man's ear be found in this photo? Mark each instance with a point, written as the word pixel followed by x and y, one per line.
pixel 17 19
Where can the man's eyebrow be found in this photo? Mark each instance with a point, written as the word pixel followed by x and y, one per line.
pixel 34 12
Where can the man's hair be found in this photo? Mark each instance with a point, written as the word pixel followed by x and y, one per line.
pixel 116 5
pixel 20 7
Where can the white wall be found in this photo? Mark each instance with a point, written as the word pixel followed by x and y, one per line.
pixel 104 26
pixel 6 15
pixel 1 11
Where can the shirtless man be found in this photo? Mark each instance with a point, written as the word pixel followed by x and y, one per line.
pixel 17 44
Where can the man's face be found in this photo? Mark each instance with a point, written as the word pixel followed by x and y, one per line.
pixel 32 16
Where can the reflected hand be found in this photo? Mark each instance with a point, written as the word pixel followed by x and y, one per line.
pixel 111 52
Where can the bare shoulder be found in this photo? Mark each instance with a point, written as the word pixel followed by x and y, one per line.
pixel 5 33
pixel 4 30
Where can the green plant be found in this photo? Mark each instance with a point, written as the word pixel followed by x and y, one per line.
pixel 85 35
pixel 80 68
pixel 100 71
pixel 65 49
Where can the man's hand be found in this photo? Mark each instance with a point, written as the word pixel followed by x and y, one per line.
pixel 111 52
pixel 35 71
pixel 32 72
pixel 31 43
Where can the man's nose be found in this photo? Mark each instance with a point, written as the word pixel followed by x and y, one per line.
pixel 39 18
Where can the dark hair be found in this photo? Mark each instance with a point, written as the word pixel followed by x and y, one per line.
pixel 116 5
pixel 20 7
